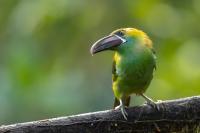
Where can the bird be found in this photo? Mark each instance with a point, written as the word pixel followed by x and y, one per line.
pixel 134 63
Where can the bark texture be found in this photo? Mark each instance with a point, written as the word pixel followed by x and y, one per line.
pixel 181 115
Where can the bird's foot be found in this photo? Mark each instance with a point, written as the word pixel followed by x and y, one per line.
pixel 117 107
pixel 153 105
pixel 150 102
pixel 124 113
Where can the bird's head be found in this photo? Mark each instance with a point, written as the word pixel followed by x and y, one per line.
pixel 120 39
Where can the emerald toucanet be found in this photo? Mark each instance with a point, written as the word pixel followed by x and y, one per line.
pixel 133 64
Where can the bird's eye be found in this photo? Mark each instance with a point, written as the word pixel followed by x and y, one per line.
pixel 119 33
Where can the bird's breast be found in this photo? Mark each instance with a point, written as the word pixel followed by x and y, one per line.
pixel 134 71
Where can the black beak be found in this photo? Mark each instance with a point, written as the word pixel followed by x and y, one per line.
pixel 106 43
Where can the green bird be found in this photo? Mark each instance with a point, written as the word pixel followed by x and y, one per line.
pixel 133 64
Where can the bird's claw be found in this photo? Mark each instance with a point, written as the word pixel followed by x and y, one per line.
pixel 150 102
pixel 117 107
pixel 124 113
pixel 153 105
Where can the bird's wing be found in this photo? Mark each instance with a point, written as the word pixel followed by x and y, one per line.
pixel 155 58
pixel 114 71
pixel 126 101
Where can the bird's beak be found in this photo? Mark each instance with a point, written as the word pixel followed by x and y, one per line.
pixel 106 43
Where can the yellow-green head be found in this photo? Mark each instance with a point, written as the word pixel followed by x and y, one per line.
pixel 121 39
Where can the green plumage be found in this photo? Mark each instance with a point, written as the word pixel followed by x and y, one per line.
pixel 133 68
pixel 133 72
pixel 133 64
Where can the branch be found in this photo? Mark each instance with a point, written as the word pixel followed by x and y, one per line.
pixel 182 115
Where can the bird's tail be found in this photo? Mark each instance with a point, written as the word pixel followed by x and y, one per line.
pixel 126 102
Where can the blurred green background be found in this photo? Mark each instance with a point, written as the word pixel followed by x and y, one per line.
pixel 46 69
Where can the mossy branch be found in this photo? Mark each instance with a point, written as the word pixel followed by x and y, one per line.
pixel 181 115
